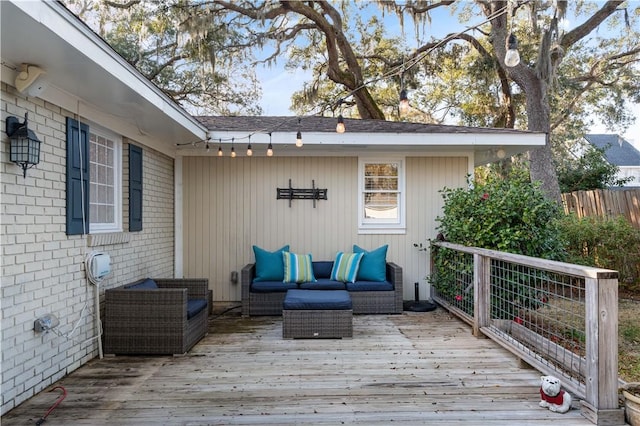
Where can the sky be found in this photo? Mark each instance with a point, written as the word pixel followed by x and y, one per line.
pixel 278 85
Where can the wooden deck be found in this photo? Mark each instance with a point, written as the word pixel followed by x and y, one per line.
pixel 415 368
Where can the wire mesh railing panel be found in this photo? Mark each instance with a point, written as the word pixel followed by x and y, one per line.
pixel 544 312
pixel 452 280
pixel 560 318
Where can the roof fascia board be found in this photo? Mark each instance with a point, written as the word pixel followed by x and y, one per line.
pixel 59 20
pixel 383 139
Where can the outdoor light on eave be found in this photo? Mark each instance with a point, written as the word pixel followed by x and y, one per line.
pixel 30 80
pixel 24 147
pixel 512 57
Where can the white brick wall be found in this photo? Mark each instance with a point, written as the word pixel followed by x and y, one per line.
pixel 42 267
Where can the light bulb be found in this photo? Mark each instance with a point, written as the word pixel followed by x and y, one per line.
pixel 340 126
pixel 404 102
pixel 233 152
pixel 512 57
pixel 270 150
pixel 299 139
pixel 220 152
pixel 249 151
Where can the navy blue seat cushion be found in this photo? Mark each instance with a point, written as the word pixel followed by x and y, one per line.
pixel 194 306
pixel 370 286
pixel 322 268
pixel 271 286
pixel 144 284
pixel 323 284
pixel 317 300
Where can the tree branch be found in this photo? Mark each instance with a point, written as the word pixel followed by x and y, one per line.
pixel 126 5
pixel 590 24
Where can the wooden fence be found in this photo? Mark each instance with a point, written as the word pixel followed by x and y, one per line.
pixel 605 203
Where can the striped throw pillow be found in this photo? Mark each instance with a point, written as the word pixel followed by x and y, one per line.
pixel 345 267
pixel 297 268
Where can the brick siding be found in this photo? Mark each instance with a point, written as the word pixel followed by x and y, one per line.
pixel 42 267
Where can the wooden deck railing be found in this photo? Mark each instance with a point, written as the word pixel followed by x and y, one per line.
pixel 560 318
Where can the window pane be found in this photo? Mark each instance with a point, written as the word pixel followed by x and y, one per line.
pixel 380 183
pixel 103 180
pixel 381 169
pixel 381 205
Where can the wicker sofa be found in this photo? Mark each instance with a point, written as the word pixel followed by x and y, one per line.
pixel 143 320
pixel 365 298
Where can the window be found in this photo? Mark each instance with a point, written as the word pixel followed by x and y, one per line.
pixel 94 180
pixel 381 196
pixel 105 177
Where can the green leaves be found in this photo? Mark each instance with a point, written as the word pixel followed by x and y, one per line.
pixel 596 241
pixel 590 171
pixel 510 215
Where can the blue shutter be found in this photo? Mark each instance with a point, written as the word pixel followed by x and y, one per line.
pixel 135 188
pixel 77 177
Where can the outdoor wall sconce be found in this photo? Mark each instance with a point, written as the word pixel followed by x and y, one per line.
pixel 25 145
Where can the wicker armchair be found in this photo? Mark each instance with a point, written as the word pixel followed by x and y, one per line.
pixel 154 321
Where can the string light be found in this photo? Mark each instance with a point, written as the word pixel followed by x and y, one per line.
pixel 340 127
pixel 404 102
pixel 512 57
pixel 207 146
pixel 299 136
pixel 270 147
pixel 233 149
pixel 220 148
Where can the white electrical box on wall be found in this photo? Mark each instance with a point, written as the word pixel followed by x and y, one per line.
pixel 100 265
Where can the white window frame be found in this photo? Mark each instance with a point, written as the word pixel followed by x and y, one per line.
pixel 116 225
pixel 382 226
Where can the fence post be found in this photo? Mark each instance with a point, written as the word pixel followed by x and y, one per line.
pixel 601 321
pixel 481 293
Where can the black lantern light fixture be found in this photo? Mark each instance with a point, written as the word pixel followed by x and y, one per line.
pixel 25 145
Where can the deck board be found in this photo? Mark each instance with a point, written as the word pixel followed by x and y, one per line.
pixel 415 368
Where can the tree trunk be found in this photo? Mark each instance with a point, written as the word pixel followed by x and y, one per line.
pixel 541 165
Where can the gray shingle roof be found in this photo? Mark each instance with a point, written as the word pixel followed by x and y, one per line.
pixel 264 124
pixel 619 152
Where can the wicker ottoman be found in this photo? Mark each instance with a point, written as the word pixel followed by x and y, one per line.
pixel 317 314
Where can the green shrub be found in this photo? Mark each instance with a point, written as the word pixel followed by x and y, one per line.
pixel 604 243
pixel 511 215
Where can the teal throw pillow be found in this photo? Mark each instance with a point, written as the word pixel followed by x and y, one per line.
pixel 297 268
pixel 345 267
pixel 373 266
pixel 269 264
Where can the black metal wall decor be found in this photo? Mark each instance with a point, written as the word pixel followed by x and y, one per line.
pixel 312 193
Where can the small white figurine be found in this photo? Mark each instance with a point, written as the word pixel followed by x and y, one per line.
pixel 552 396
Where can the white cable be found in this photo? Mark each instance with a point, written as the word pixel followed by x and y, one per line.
pixel 89 257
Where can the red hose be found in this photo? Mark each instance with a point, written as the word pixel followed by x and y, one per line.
pixel 55 404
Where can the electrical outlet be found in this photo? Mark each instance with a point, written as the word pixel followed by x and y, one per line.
pixel 45 323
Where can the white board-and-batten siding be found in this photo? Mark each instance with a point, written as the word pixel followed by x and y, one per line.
pixel 230 204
